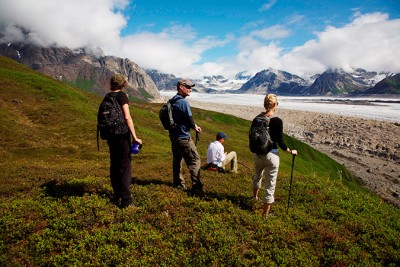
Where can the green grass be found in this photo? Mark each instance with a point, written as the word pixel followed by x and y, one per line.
pixel 83 84
pixel 55 207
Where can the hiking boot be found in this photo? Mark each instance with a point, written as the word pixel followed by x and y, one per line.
pixel 181 187
pixel 197 191
pixel 115 200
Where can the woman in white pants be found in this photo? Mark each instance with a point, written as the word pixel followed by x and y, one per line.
pixel 267 165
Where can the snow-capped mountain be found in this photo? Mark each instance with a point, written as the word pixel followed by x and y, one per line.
pixel 330 82
pixel 274 81
pixel 339 82
pixel 207 84
pixel 220 83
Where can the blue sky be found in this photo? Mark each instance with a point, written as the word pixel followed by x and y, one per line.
pixel 196 38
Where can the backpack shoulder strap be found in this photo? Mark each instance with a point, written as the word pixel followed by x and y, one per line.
pixel 263 118
pixel 169 108
pixel 170 102
pixel 174 99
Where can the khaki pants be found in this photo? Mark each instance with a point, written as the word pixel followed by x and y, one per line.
pixel 266 165
pixel 231 157
pixel 185 149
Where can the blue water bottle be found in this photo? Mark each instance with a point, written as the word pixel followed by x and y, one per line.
pixel 135 147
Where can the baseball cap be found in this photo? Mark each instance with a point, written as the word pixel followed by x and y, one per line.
pixel 221 135
pixel 118 80
pixel 186 82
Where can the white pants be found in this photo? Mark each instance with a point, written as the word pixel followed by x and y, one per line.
pixel 231 157
pixel 268 166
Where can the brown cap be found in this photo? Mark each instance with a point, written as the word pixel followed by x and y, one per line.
pixel 186 83
pixel 117 80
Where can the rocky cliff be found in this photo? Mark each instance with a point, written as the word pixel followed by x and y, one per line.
pixel 87 69
pixel 162 80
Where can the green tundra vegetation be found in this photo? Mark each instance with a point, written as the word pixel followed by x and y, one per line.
pixel 55 207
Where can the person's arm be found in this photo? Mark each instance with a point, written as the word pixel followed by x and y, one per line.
pixel 129 121
pixel 280 141
pixel 194 125
pixel 221 154
pixel 188 112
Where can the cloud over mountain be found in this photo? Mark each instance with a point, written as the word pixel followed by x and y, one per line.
pixel 368 41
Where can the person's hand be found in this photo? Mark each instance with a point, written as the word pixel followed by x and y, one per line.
pixel 197 129
pixel 294 152
pixel 138 140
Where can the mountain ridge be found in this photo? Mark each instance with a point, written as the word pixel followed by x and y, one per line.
pixel 88 69
pixel 331 82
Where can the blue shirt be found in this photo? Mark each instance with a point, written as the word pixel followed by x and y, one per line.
pixel 182 117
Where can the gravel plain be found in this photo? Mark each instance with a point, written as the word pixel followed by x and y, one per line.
pixel 368 148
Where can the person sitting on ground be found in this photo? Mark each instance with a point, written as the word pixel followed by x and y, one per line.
pixel 216 157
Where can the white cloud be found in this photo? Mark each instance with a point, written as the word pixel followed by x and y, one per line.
pixel 270 33
pixel 72 23
pixel 98 23
pixel 368 41
pixel 260 58
pixel 267 6
pixel 174 50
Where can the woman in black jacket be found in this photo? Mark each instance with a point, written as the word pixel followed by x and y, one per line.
pixel 120 146
pixel 268 164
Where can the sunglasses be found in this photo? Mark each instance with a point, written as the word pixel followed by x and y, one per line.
pixel 187 86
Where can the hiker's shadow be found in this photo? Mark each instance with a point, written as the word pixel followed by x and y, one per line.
pixel 57 189
pixel 243 202
pixel 138 181
pixel 64 189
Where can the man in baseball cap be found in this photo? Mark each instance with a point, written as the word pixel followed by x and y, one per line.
pixel 216 155
pixel 183 146
pixel 188 84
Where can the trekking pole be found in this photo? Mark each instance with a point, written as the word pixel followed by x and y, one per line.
pixel 197 138
pixel 244 165
pixel 290 188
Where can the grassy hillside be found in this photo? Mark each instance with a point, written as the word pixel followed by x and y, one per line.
pixel 55 205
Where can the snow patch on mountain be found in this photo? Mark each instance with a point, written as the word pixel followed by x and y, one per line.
pixel 219 82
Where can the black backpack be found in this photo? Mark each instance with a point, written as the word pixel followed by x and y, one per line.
pixel 260 141
pixel 165 115
pixel 110 118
